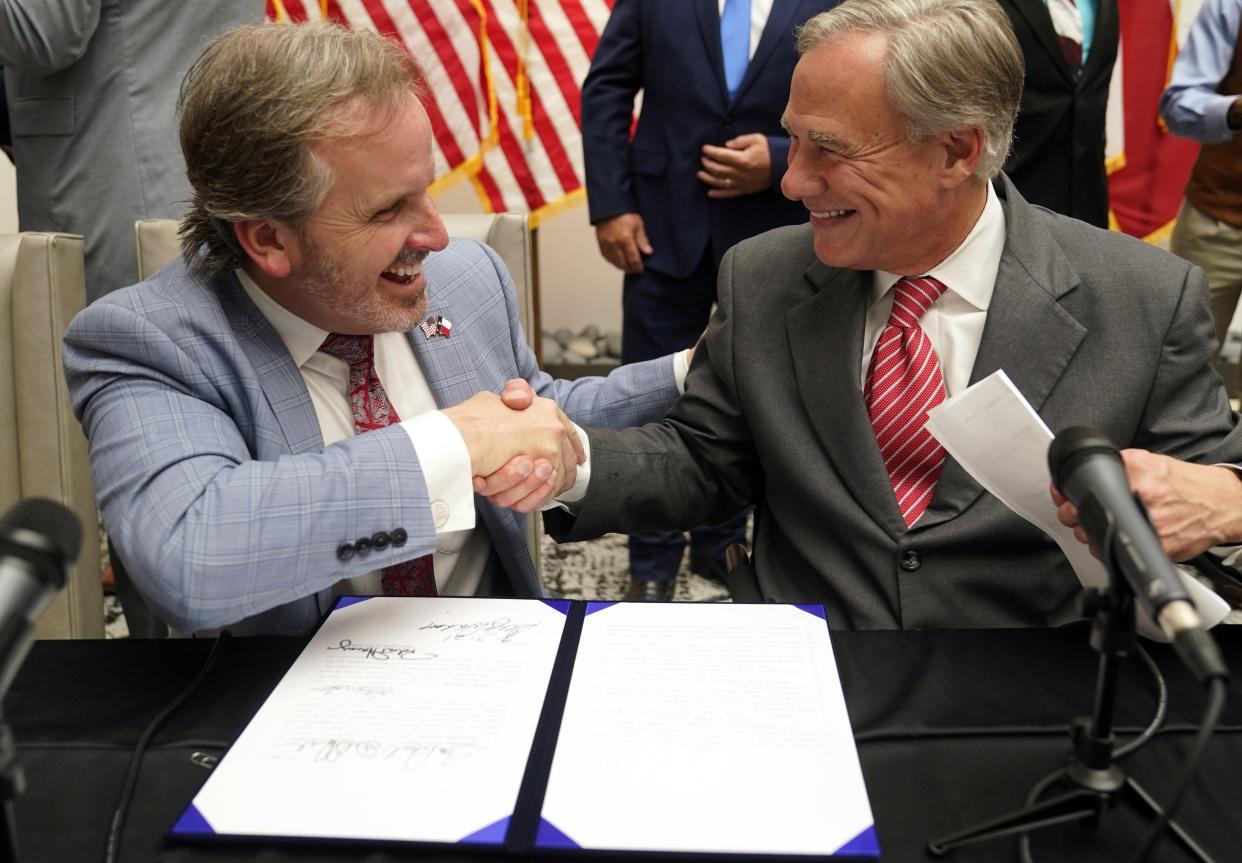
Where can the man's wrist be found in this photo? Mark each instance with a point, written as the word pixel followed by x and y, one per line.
pixel 1233 117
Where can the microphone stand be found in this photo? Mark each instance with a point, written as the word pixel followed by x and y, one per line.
pixel 1091 783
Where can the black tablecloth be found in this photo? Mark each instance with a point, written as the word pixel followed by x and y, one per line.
pixel 952 727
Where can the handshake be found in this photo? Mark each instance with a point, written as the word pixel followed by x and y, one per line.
pixel 523 450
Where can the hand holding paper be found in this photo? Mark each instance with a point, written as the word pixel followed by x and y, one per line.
pixel 1007 455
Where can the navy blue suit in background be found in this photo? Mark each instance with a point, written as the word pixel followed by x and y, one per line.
pixel 670 50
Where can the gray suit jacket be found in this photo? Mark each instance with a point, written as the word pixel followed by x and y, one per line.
pixel 1095 328
pixel 209 464
pixel 92 90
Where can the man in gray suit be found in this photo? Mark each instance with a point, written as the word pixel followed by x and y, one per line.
pixel 297 408
pixel 92 87
pixel 922 271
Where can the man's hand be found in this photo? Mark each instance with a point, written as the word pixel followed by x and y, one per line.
pixel 1233 118
pixel 742 166
pixel 623 242
pixel 1193 507
pixel 529 453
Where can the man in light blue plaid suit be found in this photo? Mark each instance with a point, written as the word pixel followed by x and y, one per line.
pixel 222 438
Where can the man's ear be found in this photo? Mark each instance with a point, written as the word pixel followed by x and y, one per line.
pixel 270 245
pixel 963 149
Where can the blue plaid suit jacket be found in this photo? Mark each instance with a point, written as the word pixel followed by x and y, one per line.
pixel 208 460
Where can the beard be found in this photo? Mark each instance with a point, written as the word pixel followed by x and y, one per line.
pixel 325 281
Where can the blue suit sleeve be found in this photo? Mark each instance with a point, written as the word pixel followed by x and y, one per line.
pixel 608 93
pixel 210 534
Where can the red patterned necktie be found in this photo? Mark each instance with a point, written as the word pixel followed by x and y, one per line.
pixel 372 410
pixel 903 384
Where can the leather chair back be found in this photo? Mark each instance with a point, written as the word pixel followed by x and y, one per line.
pixel 42 449
pixel 507 233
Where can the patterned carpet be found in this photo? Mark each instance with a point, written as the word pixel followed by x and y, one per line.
pixel 598 569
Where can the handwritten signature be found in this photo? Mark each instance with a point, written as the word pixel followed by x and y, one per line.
pixel 408 756
pixel 501 629
pixel 350 689
pixel 381 652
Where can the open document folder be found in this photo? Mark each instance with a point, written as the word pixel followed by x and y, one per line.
pixel 994 433
pixel 529 724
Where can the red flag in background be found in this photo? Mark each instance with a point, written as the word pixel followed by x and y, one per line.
pixel 504 77
pixel 1148 167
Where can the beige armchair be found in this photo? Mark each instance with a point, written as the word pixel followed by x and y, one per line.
pixel 507 233
pixel 42 448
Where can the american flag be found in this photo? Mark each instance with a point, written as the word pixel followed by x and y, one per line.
pixel 504 77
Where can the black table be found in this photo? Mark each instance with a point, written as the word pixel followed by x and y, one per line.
pixel 952 727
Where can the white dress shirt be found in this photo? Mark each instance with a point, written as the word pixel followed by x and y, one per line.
pixel 954 323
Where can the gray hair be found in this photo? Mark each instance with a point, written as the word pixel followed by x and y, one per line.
pixel 952 64
pixel 251 109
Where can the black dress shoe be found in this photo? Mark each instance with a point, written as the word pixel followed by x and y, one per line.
pixel 649 591
pixel 711 568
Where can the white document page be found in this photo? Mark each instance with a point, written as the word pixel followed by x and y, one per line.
pixel 716 728
pixel 403 719
pixel 999 439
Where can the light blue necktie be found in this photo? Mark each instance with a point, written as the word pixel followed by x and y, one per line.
pixel 735 41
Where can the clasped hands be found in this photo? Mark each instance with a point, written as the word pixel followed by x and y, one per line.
pixel 523 450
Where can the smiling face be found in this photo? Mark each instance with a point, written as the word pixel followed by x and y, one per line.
pixel 878 201
pixel 355 266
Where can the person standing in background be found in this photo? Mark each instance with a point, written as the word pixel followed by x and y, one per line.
pixel 1069 48
pixel 1202 103
pixel 702 173
pixel 92 90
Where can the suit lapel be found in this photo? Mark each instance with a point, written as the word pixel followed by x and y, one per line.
pixel 1035 12
pixel 832 321
pixel 777 32
pixel 1028 334
pixel 446 362
pixel 277 376
pixel 708 13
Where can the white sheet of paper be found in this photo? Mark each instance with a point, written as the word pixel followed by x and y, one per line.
pixel 723 726
pixel 992 432
pixel 403 719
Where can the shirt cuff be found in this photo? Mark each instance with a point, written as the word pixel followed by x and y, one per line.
pixel 445 461
pixel 1216 128
pixel 681 367
pixel 578 490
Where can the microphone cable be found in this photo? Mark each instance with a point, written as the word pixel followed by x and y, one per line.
pixel 1211 716
pixel 117 826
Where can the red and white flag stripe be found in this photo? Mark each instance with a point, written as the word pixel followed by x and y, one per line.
pixel 504 77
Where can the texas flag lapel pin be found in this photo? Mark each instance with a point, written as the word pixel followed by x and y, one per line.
pixel 436 325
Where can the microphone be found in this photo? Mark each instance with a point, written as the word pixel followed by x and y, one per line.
pixel 39 539
pixel 1087 468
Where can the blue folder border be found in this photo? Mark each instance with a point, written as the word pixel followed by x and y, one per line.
pixel 192 823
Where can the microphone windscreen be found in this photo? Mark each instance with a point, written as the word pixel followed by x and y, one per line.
pixel 1074 445
pixel 53 522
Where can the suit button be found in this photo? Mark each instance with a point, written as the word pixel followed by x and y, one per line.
pixel 398 537
pixel 362 545
pixel 910 561
pixel 345 551
pixel 728 122
pixel 379 540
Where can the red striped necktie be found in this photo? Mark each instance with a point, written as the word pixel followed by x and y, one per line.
pixel 903 383
pixel 372 410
